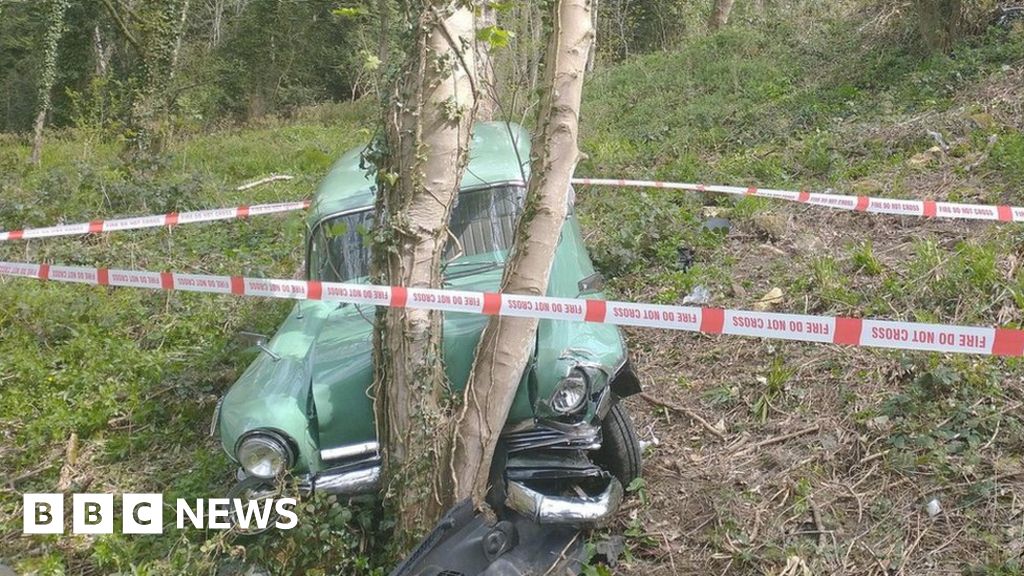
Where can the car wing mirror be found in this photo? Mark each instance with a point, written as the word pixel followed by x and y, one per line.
pixel 251 340
pixel 590 284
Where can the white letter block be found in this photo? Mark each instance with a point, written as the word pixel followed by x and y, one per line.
pixel 142 514
pixel 43 513
pixel 92 514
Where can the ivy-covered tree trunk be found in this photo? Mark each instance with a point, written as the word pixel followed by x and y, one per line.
pixel 153 31
pixel 507 343
pixel 48 73
pixel 420 161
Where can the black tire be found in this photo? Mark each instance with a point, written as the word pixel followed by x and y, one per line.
pixel 620 448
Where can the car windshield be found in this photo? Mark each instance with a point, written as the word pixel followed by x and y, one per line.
pixel 482 225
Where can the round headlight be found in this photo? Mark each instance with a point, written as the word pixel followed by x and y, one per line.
pixel 264 454
pixel 571 393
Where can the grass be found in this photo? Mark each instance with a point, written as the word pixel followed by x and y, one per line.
pixel 799 108
pixel 134 375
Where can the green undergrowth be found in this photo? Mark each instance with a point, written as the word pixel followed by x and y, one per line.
pixel 774 107
pixel 134 375
pixel 825 109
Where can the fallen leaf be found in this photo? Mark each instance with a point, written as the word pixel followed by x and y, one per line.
pixel 921 159
pixel 773 297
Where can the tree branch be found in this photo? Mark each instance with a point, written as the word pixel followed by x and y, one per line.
pixel 122 26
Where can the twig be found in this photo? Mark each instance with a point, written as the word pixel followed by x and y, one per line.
pixel 690 413
pixel 816 516
pixel 910 550
pixel 671 557
pixel 561 555
pixel 777 439
pixel 261 181
pixel 26 475
pixel 871 457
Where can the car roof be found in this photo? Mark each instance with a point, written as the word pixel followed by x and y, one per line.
pixel 499 152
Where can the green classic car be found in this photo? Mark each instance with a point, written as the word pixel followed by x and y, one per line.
pixel 303 407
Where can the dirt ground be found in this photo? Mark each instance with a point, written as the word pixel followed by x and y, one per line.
pixel 809 478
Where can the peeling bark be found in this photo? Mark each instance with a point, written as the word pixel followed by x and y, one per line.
pixel 425 149
pixel 507 343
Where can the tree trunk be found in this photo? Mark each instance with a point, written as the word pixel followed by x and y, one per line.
pixel 424 153
pixel 592 52
pixel 178 35
pixel 536 35
pixel 215 25
pixel 940 23
pixel 720 14
pixel 103 53
pixel 507 343
pixel 48 73
pixel 384 39
pixel 487 100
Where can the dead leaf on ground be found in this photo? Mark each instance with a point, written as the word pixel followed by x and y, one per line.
pixel 773 297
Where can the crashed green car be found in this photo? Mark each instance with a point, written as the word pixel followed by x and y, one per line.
pixel 303 407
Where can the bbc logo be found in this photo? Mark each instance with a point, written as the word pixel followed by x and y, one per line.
pixel 144 513
pixel 93 513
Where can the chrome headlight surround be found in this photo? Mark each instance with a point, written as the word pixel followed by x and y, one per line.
pixel 264 453
pixel 571 392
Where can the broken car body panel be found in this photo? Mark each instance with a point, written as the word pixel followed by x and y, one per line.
pixel 312 390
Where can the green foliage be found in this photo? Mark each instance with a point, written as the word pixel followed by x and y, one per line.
pixel 774 385
pixel 244 61
pixel 1008 157
pixel 495 36
pixel 126 370
pixel 864 259
pixel 345 536
pixel 941 418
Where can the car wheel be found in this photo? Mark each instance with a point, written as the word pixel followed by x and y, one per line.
pixel 620 448
pixel 252 488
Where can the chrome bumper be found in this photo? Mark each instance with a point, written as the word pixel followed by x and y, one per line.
pixel 351 483
pixel 564 510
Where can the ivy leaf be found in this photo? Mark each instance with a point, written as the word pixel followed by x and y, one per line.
pixel 353 12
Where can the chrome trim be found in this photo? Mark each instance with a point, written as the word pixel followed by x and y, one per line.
pixel 604 402
pixel 280 438
pixel 349 451
pixel 579 437
pixel 351 483
pixel 564 510
pixel 215 422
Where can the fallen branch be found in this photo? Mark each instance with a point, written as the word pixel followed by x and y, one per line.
pixel 778 439
pixel 684 410
pixel 261 181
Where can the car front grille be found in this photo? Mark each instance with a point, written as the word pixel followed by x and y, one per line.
pixel 576 438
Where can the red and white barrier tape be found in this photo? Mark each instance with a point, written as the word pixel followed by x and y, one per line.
pixel 154 221
pixel 799 327
pixel 925 208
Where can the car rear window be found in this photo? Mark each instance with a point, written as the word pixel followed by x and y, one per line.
pixel 482 223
